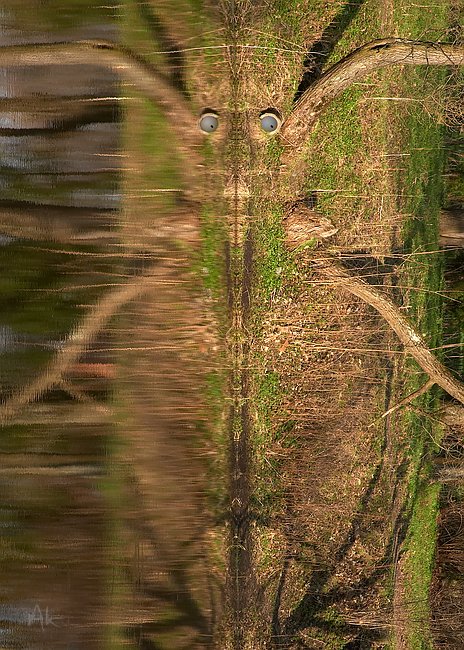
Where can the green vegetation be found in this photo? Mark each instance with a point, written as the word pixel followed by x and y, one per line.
pixel 427 20
pixel 53 16
pixel 420 185
pixel 419 548
pixel 272 260
pixel 333 152
pixel 38 280
pixel 267 397
pixel 210 262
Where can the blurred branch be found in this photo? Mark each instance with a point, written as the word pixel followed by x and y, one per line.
pixel 77 342
pixel 126 63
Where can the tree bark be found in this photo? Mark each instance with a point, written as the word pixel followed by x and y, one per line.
pixel 354 67
pixel 413 342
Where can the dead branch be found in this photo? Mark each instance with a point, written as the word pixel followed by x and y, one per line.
pixel 413 342
pixel 357 65
pixel 409 398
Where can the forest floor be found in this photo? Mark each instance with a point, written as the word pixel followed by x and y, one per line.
pixel 349 543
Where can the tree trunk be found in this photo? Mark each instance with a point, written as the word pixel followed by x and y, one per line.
pixel 452 227
pixel 413 342
pixel 354 67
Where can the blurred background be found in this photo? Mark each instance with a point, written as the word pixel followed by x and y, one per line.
pixel 107 346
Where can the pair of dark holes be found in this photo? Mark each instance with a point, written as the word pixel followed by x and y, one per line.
pixel 269 120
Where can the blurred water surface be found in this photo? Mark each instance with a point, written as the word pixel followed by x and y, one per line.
pixel 108 348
